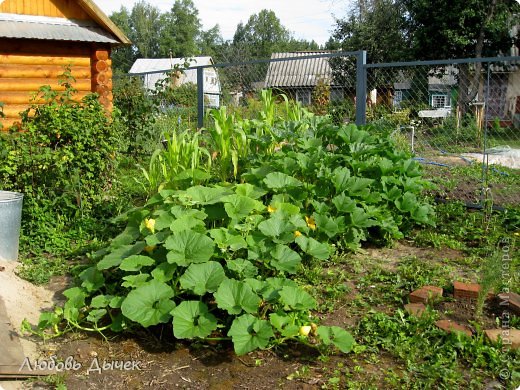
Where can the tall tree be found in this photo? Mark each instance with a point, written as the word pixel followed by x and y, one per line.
pixel 146 27
pixel 210 42
pixel 123 57
pixel 263 34
pixel 181 30
pixel 460 29
pixel 379 27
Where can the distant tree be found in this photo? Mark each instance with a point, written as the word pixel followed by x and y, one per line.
pixel 377 26
pixel 460 29
pixel 181 29
pixel 123 57
pixel 210 42
pixel 263 34
pixel 145 22
pixel 393 30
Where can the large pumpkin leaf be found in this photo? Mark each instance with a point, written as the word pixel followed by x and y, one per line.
pixel 249 190
pixel 92 279
pixel 277 228
pixel 135 263
pixel 149 304
pixel 206 195
pixel 249 333
pixel 342 339
pixel 235 296
pixel 361 219
pixel 187 222
pixel 313 248
pixel 164 272
pixel 225 239
pixel 134 281
pixel 192 319
pixel 297 299
pixel 285 259
pixel 114 258
pixel 238 207
pixel 203 278
pixel 281 181
pixel 344 204
pixel 340 178
pixel 242 268
pixel 188 247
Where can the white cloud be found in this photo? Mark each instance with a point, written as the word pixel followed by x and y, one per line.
pixel 306 19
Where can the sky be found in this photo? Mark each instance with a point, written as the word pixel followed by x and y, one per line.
pixel 306 19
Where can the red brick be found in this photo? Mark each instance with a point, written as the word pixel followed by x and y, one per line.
pixel 415 309
pixel 426 294
pixel 510 301
pixel 466 290
pixel 510 337
pixel 450 326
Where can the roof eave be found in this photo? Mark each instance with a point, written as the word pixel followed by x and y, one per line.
pixel 99 16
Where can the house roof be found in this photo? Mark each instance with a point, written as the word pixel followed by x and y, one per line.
pixel 100 29
pixel 155 69
pixel 146 65
pixel 298 73
pixel 59 29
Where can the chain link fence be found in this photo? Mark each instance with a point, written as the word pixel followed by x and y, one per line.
pixel 460 118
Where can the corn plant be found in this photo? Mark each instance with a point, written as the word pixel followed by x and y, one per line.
pixel 183 159
pixel 184 152
pixel 222 135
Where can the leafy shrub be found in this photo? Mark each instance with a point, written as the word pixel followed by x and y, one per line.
pixel 342 111
pixel 137 114
pixel 62 161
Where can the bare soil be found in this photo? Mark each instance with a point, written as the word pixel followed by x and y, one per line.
pixel 166 364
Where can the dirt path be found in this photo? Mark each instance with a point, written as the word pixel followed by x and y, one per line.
pixel 22 300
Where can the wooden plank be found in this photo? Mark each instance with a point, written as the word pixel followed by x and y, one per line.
pixel 8 122
pixel 43 60
pixel 34 84
pixel 41 71
pixel 13 110
pixel 27 97
pixel 45 48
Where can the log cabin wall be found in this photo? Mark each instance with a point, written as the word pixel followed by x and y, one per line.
pixel 28 64
pixel 25 66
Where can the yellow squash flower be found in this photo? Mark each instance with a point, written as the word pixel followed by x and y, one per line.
pixel 310 222
pixel 271 209
pixel 297 233
pixel 150 224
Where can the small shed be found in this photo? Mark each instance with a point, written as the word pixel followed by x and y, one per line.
pixel 153 70
pixel 40 38
pixel 299 77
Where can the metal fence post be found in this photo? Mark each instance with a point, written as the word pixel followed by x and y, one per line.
pixel 200 97
pixel 361 87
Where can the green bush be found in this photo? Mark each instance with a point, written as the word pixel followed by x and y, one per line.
pixel 137 113
pixel 62 160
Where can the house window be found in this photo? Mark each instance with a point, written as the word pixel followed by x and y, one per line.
pixel 440 101
pixel 398 98
pixel 304 97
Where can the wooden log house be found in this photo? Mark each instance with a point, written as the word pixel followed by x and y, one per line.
pixel 40 38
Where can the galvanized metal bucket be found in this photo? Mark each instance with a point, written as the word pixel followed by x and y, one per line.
pixel 10 223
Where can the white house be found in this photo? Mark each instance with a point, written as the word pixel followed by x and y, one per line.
pixel 212 88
